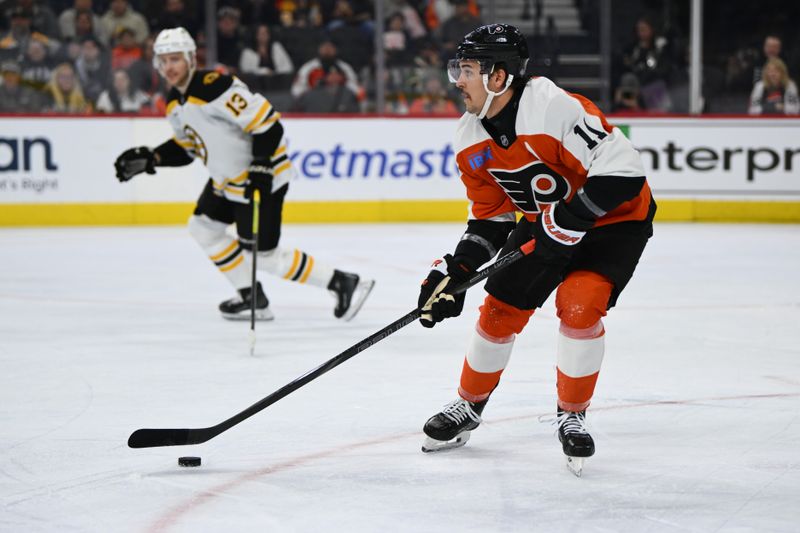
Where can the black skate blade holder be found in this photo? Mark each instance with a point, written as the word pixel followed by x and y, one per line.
pixel 152 438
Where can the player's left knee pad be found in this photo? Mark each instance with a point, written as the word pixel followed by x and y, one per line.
pixel 501 320
pixel 581 302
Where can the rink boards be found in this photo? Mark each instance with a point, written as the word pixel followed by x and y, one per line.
pixel 59 170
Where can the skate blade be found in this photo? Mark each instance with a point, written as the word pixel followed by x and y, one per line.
pixel 432 445
pixel 575 465
pixel 362 290
pixel 262 315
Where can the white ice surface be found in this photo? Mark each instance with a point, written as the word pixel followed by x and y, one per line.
pixel 102 331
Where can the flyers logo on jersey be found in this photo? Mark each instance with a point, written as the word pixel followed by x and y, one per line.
pixel 532 186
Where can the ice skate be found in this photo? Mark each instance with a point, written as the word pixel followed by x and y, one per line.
pixel 350 291
pixel 452 427
pixel 575 439
pixel 239 308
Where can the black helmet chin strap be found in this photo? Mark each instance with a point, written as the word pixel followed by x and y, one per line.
pixel 491 94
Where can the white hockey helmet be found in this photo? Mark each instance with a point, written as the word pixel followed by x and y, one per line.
pixel 173 40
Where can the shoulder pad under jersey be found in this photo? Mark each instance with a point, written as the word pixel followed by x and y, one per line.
pixel 208 85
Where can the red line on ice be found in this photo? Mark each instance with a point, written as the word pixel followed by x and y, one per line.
pixel 171 517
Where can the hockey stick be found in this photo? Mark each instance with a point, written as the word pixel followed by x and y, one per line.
pixel 150 438
pixel 253 292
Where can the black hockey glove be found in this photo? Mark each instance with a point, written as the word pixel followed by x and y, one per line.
pixel 435 302
pixel 259 177
pixel 558 233
pixel 135 161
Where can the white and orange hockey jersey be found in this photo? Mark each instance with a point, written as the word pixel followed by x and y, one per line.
pixel 215 121
pixel 562 141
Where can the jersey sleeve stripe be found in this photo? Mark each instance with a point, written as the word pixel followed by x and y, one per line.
pixel 283 167
pixel 278 160
pixel 267 123
pixel 170 107
pixel 590 205
pixel 262 110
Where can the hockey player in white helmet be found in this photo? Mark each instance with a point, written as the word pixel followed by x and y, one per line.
pixel 238 136
pixel 527 147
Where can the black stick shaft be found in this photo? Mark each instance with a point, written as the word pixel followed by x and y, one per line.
pixel 148 438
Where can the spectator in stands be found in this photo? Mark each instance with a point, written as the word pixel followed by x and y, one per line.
pixel 356 13
pixel 773 45
pixel 37 66
pixel 429 56
pixel 145 76
pixel 122 15
pixel 648 58
pixel 174 14
pixel 428 63
pixel 65 91
pixel 300 14
pixel 267 56
pixel 437 11
pixel 15 41
pixel 229 37
pixel 329 95
pixel 122 97
pixel 67 23
pixel 314 70
pixel 265 13
pixel 14 96
pixel 412 21
pixel 454 29
pixel 433 100
pixel 351 28
pixel 93 67
pixel 627 97
pixel 126 50
pixel 775 93
pixel 397 43
pixel 43 20
pixel 743 68
pixel 85 27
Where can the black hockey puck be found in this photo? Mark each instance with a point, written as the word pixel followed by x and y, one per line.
pixel 189 461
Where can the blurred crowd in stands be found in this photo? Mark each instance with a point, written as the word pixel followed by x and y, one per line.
pixel 317 56
pixel 750 53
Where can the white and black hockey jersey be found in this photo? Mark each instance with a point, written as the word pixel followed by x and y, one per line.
pixel 215 121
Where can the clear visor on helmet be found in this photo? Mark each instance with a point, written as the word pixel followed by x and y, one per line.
pixel 468 68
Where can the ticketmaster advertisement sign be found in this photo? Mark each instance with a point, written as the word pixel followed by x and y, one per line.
pixel 60 170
